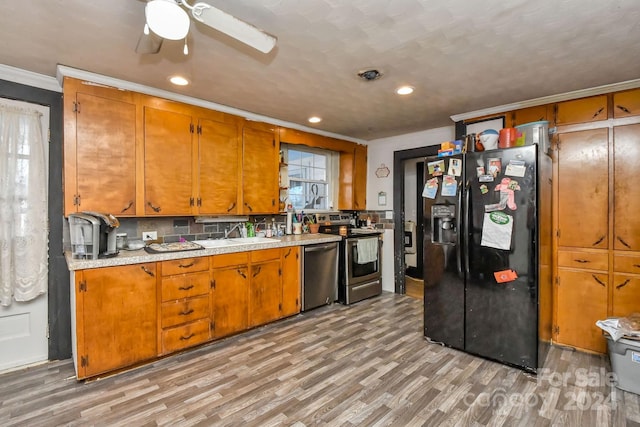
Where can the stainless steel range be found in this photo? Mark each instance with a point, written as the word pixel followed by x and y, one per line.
pixel 359 259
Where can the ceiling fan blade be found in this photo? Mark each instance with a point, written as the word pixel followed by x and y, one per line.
pixel 234 27
pixel 149 43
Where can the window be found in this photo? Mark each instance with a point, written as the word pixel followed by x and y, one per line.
pixel 310 174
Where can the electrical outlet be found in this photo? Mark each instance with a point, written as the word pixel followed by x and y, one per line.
pixel 149 235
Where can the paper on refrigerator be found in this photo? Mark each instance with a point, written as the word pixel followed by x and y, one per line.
pixel 496 230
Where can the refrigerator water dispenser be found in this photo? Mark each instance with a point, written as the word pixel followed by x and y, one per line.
pixel 443 226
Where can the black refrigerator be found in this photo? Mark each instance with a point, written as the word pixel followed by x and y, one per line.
pixel 481 254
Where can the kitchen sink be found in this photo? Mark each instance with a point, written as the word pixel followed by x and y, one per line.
pixel 221 243
pixel 249 240
pixel 217 243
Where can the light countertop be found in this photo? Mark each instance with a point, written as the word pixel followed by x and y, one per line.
pixel 126 257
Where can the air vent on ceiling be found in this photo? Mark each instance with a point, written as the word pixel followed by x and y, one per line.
pixel 369 75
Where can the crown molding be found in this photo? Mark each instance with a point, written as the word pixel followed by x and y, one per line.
pixel 29 78
pixel 598 90
pixel 65 71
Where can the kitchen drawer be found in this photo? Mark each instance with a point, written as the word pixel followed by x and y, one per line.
pixel 583 259
pixel 185 286
pixel 624 263
pixel 184 336
pixel 187 265
pixel 265 255
pixel 184 311
pixel 228 260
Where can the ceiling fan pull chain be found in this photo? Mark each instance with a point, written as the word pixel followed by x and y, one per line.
pixel 146 29
pixel 186 48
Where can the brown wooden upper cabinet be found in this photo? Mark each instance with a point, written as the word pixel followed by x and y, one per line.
pixel 353 179
pixel 99 149
pixel 168 161
pixel 259 169
pixel 528 115
pixel 626 103
pixel 626 163
pixel 218 167
pixel 582 110
pixel 583 183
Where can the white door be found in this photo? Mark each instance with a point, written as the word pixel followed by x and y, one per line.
pixel 23 325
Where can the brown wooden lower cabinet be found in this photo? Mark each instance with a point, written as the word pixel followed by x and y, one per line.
pixel 116 317
pixel 130 314
pixel 581 301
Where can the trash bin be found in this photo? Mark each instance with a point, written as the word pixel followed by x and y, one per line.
pixel 625 362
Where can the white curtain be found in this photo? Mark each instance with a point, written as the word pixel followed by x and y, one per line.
pixel 23 206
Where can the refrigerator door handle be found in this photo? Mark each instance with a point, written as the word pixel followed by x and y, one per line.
pixel 458 231
pixel 466 225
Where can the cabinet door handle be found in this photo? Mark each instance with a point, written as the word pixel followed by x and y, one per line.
pixel 183 338
pixel 581 261
pixel 155 208
pixel 186 313
pixel 599 240
pixel 597 113
pixel 185 288
pixel 249 207
pixel 623 242
pixel 126 208
pixel 231 206
pixel 625 109
pixel 288 253
pixel 186 266
pixel 240 272
pixel 257 272
pixel 146 270
pixel 636 265
pixel 623 284
pixel 598 280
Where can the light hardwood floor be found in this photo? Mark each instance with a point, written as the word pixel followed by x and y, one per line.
pixel 360 365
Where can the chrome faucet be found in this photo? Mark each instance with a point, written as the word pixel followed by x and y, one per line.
pixel 227 232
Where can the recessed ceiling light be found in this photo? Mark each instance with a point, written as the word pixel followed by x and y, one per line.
pixel 178 80
pixel 404 90
pixel 315 119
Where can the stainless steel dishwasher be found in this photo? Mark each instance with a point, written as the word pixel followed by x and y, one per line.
pixel 319 275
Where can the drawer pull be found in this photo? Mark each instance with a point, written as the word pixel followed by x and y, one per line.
pixel 188 337
pixel 185 266
pixel 240 272
pixel 186 313
pixel 636 265
pixel 598 280
pixel 599 240
pixel 623 242
pixel 149 272
pixel 185 288
pixel 581 261
pixel 623 284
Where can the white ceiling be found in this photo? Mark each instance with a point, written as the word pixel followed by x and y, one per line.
pixel 460 55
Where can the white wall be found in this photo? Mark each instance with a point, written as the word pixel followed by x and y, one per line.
pixel 379 152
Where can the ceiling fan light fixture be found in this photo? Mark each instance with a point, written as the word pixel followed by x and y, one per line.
pixel 167 19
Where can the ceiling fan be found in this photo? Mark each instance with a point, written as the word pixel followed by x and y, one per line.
pixel 168 19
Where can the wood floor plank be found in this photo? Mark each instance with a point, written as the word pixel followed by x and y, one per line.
pixel 361 365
